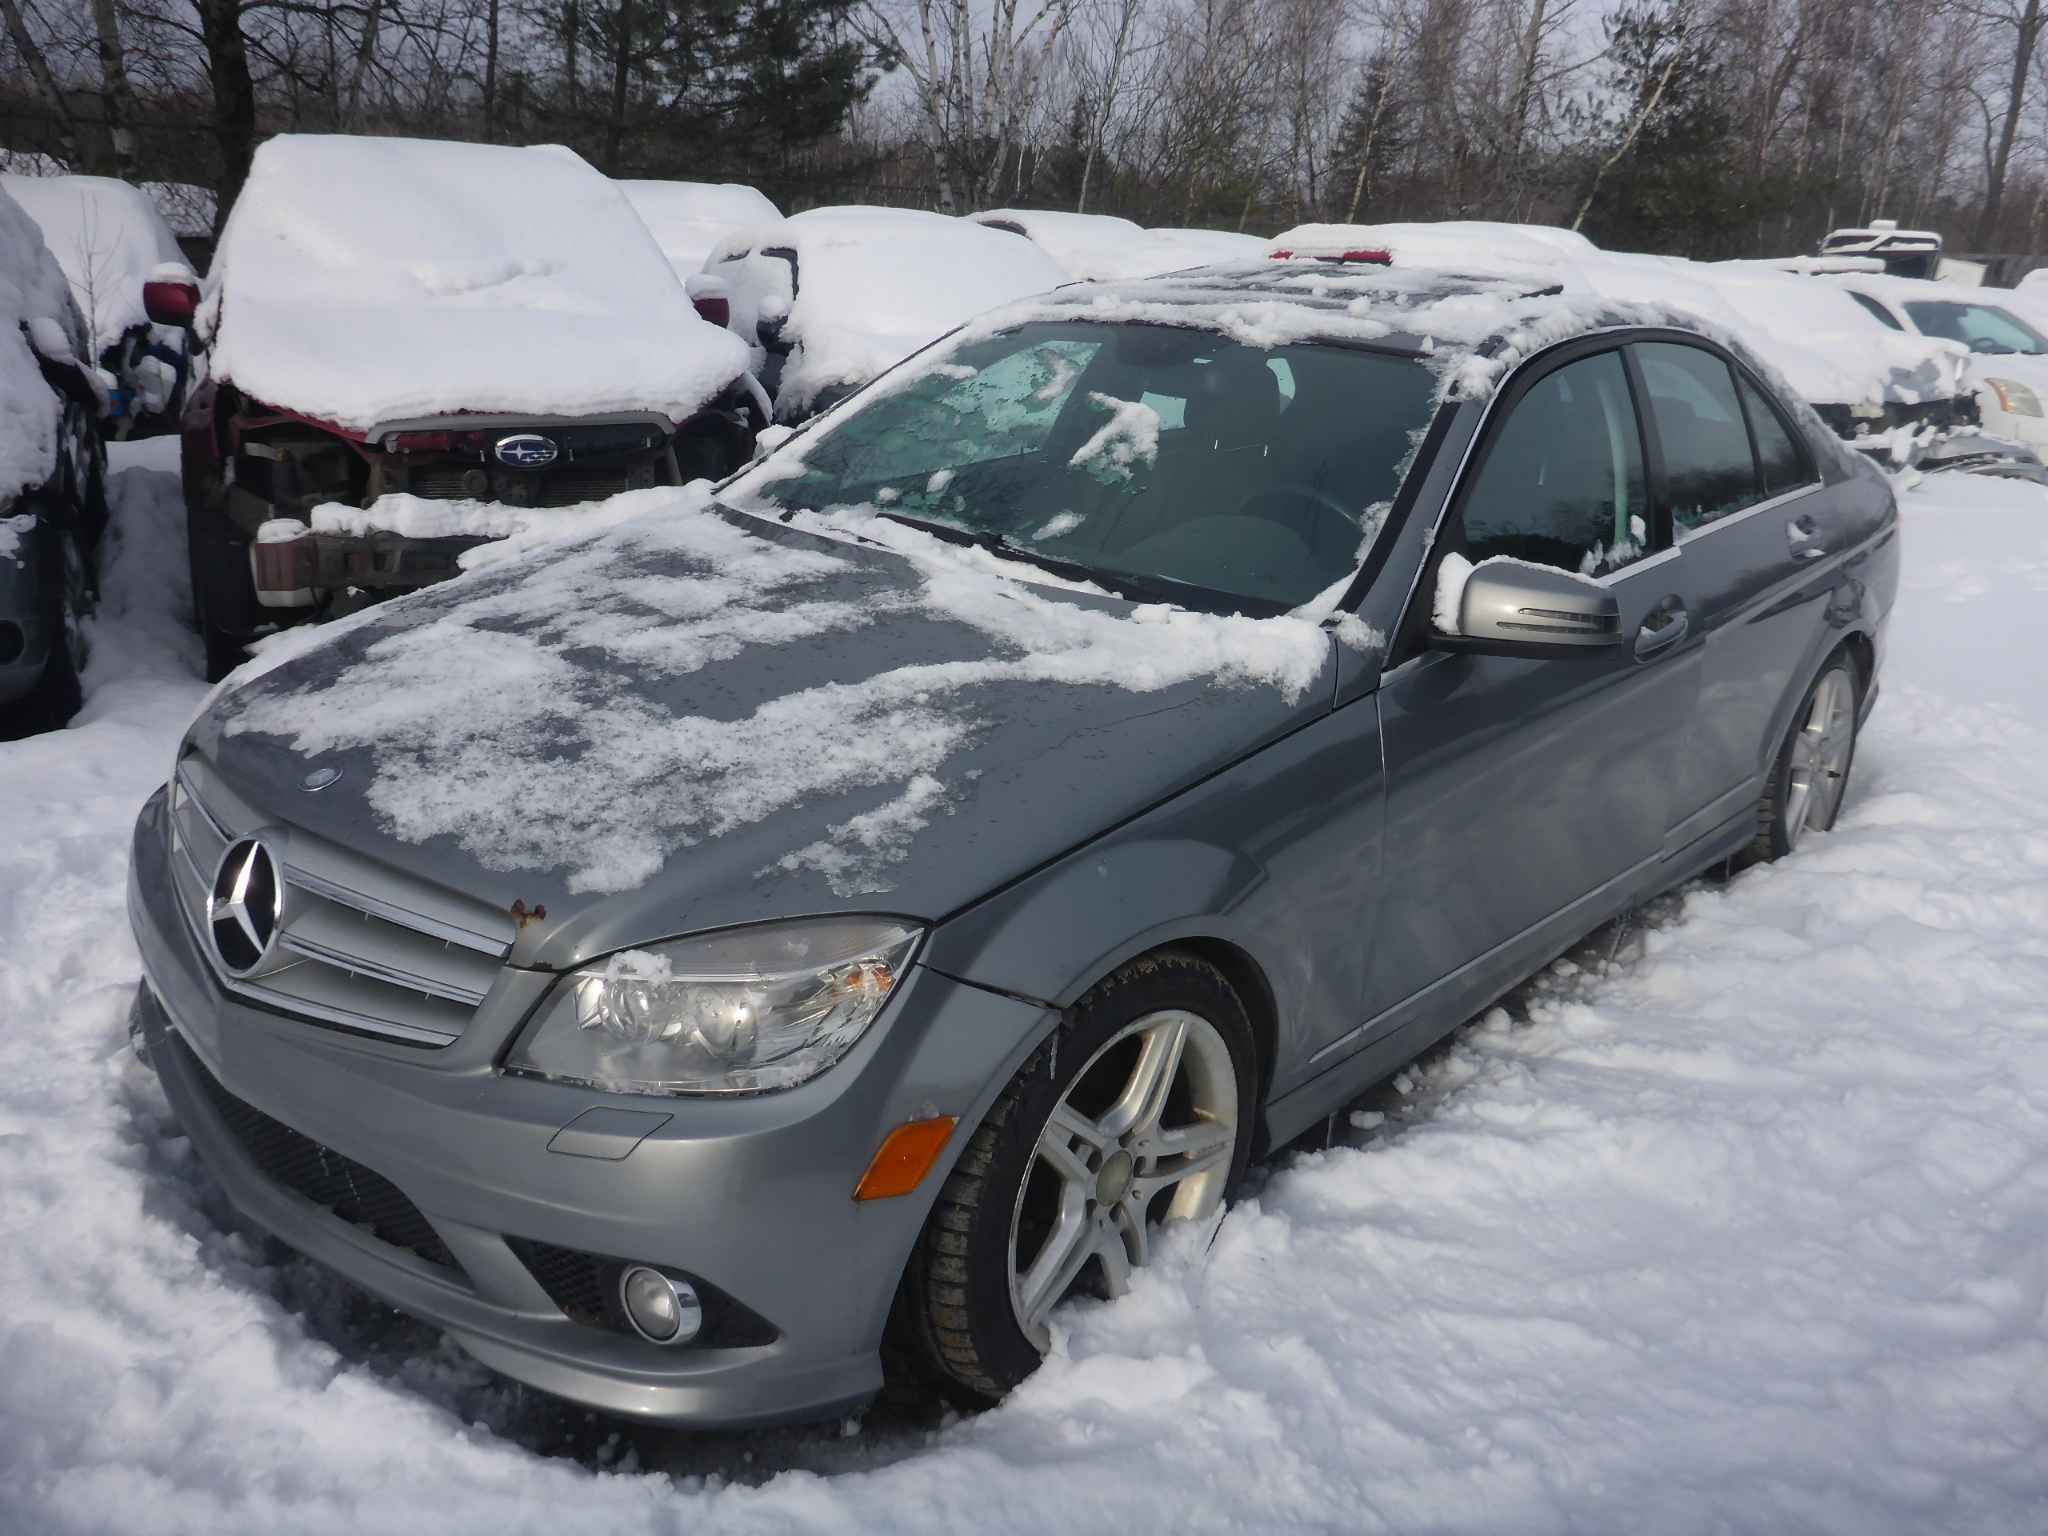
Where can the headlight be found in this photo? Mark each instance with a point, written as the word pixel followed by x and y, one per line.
pixel 2015 398
pixel 747 1011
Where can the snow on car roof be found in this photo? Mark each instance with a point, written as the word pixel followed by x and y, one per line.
pixel 876 284
pixel 363 280
pixel 687 218
pixel 106 235
pixel 1825 347
pixel 1094 247
pixel 32 290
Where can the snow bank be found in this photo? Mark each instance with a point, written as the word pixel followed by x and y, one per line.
pixel 688 218
pixel 33 292
pixel 1731 1222
pixel 874 285
pixel 363 280
pixel 107 236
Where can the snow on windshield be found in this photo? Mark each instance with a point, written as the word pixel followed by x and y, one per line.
pixel 363 279
pixel 518 712
pixel 107 236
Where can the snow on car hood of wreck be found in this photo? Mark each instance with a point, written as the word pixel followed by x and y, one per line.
pixel 363 280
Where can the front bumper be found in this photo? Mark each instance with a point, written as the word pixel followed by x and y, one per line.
pixel 752 1195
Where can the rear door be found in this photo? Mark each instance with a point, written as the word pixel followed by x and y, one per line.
pixel 1527 798
pixel 1748 510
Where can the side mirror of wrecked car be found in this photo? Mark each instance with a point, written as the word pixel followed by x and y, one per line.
pixel 170 295
pixel 773 317
pixel 1514 608
pixel 711 297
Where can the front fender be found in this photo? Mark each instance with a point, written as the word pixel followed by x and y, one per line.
pixel 1278 857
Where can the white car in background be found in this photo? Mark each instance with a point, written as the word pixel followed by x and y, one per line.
pixel 688 218
pixel 2009 355
pixel 110 239
pixel 832 297
pixel 1093 247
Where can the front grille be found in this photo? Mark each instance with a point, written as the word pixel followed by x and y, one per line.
pixel 564 486
pixel 375 964
pixel 360 1196
pixel 586 1287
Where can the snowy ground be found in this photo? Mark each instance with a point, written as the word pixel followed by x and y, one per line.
pixel 1736 1222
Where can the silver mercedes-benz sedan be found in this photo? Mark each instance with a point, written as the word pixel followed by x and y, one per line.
pixel 846 913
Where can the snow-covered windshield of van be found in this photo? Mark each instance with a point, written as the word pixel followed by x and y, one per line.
pixel 1168 462
pixel 1980 327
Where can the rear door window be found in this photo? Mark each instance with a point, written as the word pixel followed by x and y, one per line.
pixel 1563 483
pixel 1708 468
pixel 1780 459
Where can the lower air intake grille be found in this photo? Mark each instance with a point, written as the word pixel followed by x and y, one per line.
pixel 586 1287
pixel 360 1196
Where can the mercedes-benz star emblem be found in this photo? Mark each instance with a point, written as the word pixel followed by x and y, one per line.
pixel 320 778
pixel 245 908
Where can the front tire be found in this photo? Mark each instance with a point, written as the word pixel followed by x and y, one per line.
pixel 224 607
pixel 1137 1111
pixel 1811 774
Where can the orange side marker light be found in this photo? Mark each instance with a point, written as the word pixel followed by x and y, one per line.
pixel 903 1159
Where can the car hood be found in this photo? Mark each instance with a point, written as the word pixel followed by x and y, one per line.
pixel 694 717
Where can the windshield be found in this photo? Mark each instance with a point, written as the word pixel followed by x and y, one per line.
pixel 1980 327
pixel 1225 476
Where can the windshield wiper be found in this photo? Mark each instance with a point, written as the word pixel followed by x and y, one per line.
pixel 1136 588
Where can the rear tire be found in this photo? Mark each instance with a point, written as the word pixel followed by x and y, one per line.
pixel 1153 1076
pixel 1810 775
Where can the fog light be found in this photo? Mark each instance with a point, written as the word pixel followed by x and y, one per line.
pixel 661 1310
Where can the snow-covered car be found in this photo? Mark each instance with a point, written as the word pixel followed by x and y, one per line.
pixel 109 238
pixel 1095 247
pixel 832 297
pixel 1158 714
pixel 1202 247
pixel 688 218
pixel 2009 357
pixel 408 346
pixel 52 476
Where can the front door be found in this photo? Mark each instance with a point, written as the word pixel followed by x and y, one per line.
pixel 1527 797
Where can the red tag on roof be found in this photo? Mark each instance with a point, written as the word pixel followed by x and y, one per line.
pixel 1377 258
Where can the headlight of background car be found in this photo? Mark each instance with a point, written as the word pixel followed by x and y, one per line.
pixel 2015 398
pixel 747 1011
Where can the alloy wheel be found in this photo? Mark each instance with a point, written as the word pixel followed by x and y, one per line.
pixel 1820 756
pixel 1144 1133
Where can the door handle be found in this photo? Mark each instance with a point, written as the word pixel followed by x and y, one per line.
pixel 1666 625
pixel 1803 534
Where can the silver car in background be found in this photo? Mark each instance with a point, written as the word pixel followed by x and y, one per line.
pixel 847 918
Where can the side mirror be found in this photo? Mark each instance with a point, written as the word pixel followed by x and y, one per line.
pixel 1505 607
pixel 711 296
pixel 170 295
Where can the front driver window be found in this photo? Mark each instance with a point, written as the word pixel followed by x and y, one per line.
pixel 1563 483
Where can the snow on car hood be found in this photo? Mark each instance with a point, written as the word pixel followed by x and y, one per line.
pixel 32 290
pixel 107 236
pixel 363 280
pixel 697 717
